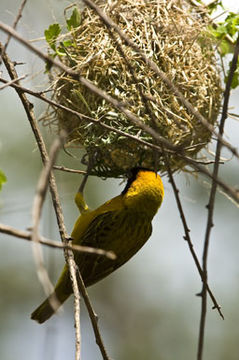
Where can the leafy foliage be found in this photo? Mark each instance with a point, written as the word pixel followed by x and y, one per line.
pixel 75 20
pixel 52 35
pixel 226 32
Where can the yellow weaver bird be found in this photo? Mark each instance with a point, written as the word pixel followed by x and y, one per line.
pixel 122 225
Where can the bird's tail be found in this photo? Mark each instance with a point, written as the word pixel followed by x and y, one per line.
pixel 55 300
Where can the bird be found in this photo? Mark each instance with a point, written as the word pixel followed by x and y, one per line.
pixel 122 225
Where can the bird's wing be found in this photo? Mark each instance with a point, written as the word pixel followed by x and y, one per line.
pixel 98 235
pixel 120 231
pixel 85 220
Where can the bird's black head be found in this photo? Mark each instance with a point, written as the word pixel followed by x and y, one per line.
pixel 132 176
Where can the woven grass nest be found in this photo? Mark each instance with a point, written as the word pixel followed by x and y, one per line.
pixel 173 35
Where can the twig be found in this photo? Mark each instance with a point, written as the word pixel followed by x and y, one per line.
pixel 231 192
pixel 9 83
pixel 69 257
pixel 38 201
pixel 211 203
pixel 189 241
pixel 63 168
pixel 83 291
pixel 86 175
pixel 26 235
pixel 93 317
pixel 18 17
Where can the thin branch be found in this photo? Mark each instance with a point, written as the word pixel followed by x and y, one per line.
pixel 69 257
pixel 38 201
pixel 93 316
pixel 233 193
pixel 74 171
pixel 14 26
pixel 189 241
pixel 9 83
pixel 85 178
pixel 26 235
pixel 176 192
pixel 212 196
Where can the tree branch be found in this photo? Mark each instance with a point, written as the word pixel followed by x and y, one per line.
pixel 189 241
pixel 14 26
pixel 211 203
pixel 26 235
pixel 69 257
pixel 38 201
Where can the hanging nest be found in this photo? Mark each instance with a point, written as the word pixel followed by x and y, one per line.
pixel 173 35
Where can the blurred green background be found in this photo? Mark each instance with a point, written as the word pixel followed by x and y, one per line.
pixel 148 308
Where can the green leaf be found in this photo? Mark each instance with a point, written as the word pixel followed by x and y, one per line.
pixel 225 47
pixel 51 35
pixel 75 20
pixel 3 178
pixel 61 51
pixel 232 23
pixel 214 5
pixel 67 43
pixel 228 27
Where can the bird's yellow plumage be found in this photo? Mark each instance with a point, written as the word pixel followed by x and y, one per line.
pixel 122 225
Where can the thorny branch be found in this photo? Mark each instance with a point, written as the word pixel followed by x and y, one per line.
pixel 211 203
pixel 14 26
pixel 38 201
pixel 189 241
pixel 9 83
